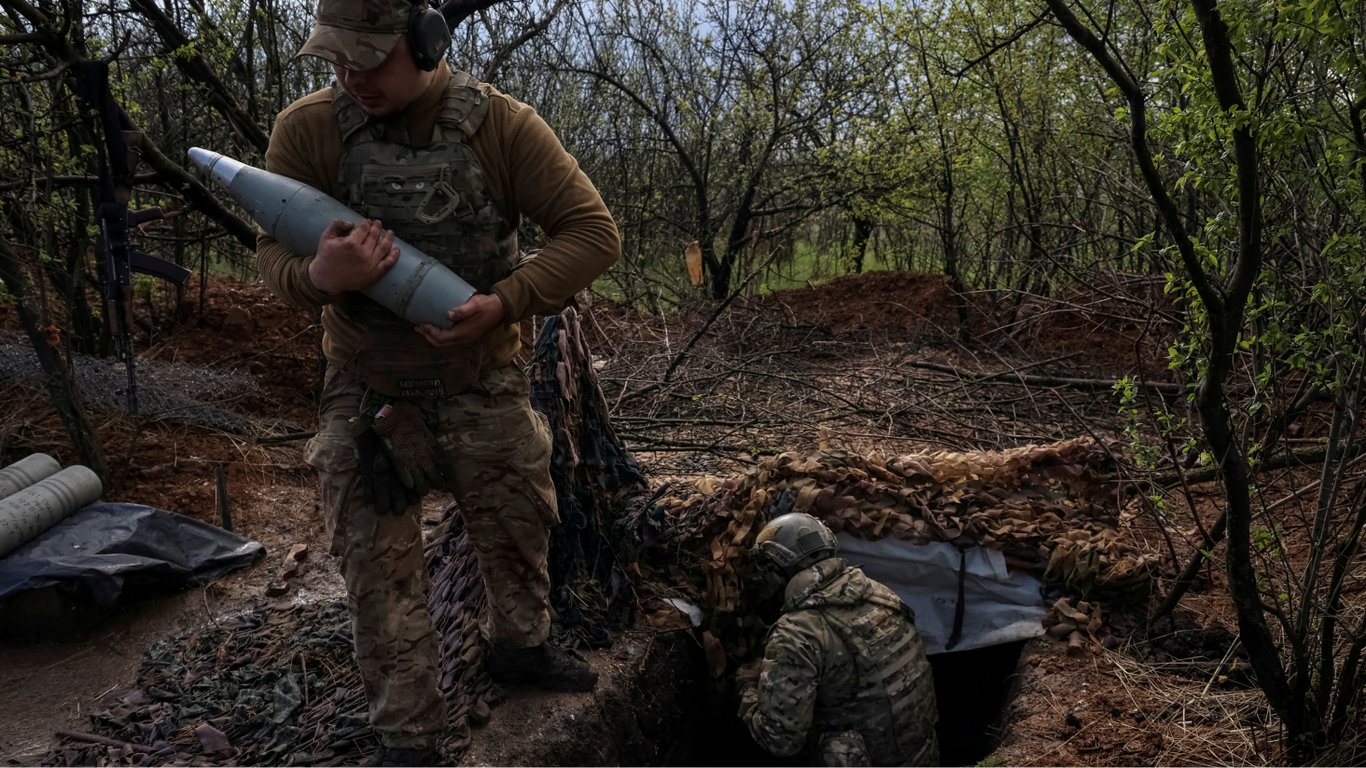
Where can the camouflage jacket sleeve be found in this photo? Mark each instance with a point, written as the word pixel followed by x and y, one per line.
pixel 530 173
pixel 779 712
pixel 300 151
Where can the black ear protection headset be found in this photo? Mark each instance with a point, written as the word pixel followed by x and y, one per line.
pixel 428 36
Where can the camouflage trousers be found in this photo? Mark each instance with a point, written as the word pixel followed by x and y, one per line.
pixel 848 748
pixel 843 748
pixel 500 449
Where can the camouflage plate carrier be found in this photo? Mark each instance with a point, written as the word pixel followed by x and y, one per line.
pixel 436 197
pixel 887 697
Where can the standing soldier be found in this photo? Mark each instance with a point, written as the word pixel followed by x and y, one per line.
pixel 844 673
pixel 451 165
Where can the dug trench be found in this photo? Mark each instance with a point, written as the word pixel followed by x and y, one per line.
pixel 657 705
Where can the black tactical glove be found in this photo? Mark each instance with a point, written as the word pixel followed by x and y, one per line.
pixel 412 447
pixel 379 475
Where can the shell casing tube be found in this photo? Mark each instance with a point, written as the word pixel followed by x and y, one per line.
pixel 417 288
pixel 42 505
pixel 25 472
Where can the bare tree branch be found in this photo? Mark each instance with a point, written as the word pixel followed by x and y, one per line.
pixel 196 69
pixel 457 11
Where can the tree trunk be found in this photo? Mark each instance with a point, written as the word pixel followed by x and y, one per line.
pixel 57 375
pixel 863 228
pixel 1225 306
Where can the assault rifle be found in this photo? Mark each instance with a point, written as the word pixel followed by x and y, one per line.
pixel 117 258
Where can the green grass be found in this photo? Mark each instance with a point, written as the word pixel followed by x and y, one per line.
pixel 809 266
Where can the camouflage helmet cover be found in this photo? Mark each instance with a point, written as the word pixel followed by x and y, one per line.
pixel 794 541
pixel 357 34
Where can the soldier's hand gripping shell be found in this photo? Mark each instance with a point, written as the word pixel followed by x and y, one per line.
pixel 748 674
pixel 379 475
pixel 412 447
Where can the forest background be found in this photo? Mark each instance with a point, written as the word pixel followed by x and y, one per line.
pixel 1204 159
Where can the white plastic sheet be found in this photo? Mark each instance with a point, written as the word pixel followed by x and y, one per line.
pixel 1000 606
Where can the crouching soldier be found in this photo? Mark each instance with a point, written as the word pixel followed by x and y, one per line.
pixel 844 674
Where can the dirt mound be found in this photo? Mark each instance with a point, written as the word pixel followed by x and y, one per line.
pixel 247 328
pixel 1111 326
pixel 901 303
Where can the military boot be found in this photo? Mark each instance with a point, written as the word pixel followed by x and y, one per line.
pixel 404 756
pixel 544 666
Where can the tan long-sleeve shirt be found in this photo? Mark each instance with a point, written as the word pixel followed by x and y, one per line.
pixel 528 172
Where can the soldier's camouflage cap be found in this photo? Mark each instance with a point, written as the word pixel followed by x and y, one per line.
pixel 357 34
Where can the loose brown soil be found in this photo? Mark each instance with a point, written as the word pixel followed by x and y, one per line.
pixel 831 366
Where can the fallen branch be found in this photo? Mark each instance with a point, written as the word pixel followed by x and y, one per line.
pixel 1206 474
pixel 669 446
pixel 1047 381
pixel 91 738
pixel 288 438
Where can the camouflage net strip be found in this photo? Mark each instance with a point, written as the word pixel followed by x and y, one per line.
pixel 169 391
pixel 590 588
pixel 456 599
pixel 1048 508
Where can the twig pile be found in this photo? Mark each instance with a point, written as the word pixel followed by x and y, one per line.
pixel 267 687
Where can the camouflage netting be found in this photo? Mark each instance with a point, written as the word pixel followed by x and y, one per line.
pixel 594 475
pixel 1048 508
pixel 279 685
pixel 166 391
pixel 266 687
pixel 456 599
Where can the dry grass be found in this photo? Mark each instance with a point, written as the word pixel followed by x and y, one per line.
pixel 1205 724
pixel 1109 708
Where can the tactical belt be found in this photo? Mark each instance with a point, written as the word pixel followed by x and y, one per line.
pixel 400 363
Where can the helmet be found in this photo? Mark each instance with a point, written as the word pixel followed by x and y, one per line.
pixel 794 541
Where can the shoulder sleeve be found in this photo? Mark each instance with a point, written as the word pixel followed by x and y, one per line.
pixel 531 174
pixel 304 144
pixel 785 701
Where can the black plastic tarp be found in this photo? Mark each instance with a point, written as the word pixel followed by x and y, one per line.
pixel 107 554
